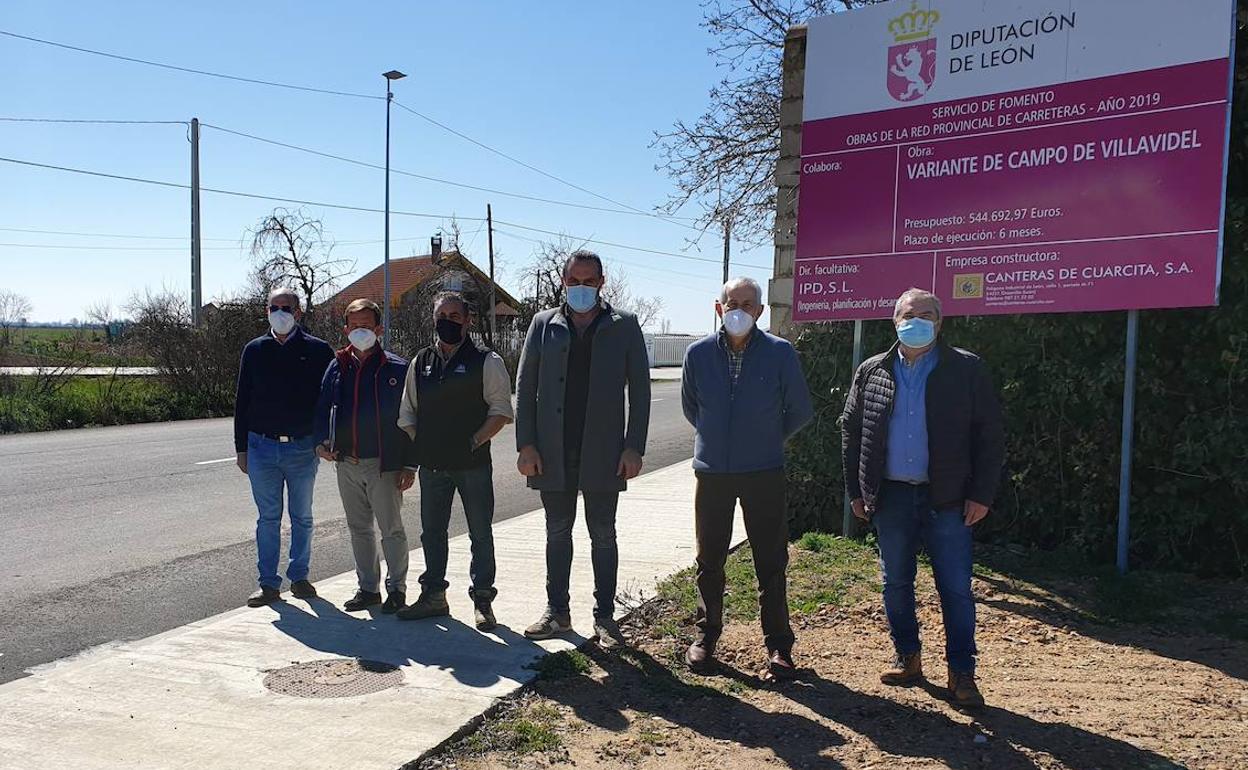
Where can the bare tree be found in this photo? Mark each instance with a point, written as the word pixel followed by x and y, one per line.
pixel 545 277
pixel 14 308
pixel 618 291
pixel 725 160
pixel 290 248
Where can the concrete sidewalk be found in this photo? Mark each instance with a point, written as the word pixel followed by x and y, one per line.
pixel 196 696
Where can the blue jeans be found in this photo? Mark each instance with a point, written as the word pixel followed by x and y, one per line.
pixel 903 521
pixel 476 492
pixel 275 468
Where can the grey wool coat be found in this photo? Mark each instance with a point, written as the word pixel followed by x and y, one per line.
pixel 618 361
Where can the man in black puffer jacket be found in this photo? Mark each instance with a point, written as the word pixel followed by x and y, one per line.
pixel 923 446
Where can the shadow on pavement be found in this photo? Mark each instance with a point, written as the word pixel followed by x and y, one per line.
pixel 476 659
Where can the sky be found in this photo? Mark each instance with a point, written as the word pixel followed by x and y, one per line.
pixel 575 89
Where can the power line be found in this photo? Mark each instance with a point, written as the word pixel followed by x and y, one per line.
pixel 451 182
pixel 235 193
pixel 189 70
pixel 537 170
pixel 109 235
pixel 345 207
pixel 627 247
pixel 631 265
pixel 310 89
pixel 112 248
pixel 104 122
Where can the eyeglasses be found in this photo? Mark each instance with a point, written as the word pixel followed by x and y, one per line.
pixel 284 308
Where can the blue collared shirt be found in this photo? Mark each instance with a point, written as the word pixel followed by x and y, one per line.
pixel 907 428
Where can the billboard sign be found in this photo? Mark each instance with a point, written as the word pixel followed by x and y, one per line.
pixel 1015 156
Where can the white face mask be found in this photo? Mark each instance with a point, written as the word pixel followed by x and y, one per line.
pixel 738 323
pixel 281 322
pixel 362 339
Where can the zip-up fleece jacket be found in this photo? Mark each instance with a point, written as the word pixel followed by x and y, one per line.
pixel 743 429
pixel 387 373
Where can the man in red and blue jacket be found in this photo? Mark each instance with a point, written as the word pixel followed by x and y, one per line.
pixel 357 428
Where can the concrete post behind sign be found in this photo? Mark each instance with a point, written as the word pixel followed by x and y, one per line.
pixel 780 289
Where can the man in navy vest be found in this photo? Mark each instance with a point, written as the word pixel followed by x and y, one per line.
pixel 356 428
pixel 744 392
pixel 456 398
pixel 278 381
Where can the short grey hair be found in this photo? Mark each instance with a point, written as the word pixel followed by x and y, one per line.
pixel 444 297
pixel 734 283
pixel 285 291
pixel 917 294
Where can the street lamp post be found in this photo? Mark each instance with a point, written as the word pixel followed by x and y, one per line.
pixel 390 76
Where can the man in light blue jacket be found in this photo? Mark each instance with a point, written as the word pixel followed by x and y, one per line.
pixel 744 392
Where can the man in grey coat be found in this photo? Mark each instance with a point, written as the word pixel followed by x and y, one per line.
pixel 572 434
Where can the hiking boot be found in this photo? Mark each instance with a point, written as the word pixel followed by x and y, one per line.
pixel 607 633
pixel 963 690
pixel 907 669
pixel 302 589
pixel 427 606
pixel 700 657
pixel 484 613
pixel 264 597
pixel 780 666
pixel 362 601
pixel 395 601
pixel 550 624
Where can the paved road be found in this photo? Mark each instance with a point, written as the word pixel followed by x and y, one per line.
pixel 120 533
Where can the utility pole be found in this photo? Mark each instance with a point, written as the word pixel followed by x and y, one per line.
pixel 727 241
pixel 197 289
pixel 489 222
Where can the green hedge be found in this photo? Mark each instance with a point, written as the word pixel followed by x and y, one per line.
pixel 1061 379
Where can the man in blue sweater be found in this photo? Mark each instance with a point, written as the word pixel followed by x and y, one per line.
pixel 279 380
pixel 744 392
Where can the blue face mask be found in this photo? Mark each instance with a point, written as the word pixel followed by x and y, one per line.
pixel 916 332
pixel 582 298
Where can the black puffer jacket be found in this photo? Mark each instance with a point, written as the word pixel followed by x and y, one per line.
pixel 965 432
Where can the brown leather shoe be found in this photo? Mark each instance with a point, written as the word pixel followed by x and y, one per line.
pixel 700 657
pixel 906 670
pixel 963 690
pixel 780 666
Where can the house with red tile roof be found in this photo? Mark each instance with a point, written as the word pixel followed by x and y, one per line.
pixel 425 276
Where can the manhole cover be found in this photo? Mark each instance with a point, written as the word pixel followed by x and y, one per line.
pixel 340 678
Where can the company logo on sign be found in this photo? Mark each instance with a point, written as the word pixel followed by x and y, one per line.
pixel 968 286
pixel 912 61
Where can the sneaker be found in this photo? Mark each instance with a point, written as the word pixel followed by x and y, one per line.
pixel 395 601
pixel 551 624
pixel 700 657
pixel 607 633
pixel 963 690
pixel 264 597
pixel 906 669
pixel 427 606
pixel 302 589
pixel 485 615
pixel 362 601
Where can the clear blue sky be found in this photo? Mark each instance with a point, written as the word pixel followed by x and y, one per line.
pixel 571 87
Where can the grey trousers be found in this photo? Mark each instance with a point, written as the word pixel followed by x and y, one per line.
pixel 368 496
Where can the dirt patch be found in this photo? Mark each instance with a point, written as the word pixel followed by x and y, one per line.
pixel 1064 690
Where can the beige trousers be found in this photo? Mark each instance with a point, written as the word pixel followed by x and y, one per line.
pixel 371 496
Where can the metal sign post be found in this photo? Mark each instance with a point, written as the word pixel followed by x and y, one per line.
pixel 1128 439
pixel 847 516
